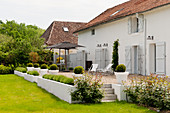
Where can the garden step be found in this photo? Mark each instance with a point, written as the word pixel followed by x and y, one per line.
pixel 109 97
pixel 108 100
pixel 108 90
pixel 107 86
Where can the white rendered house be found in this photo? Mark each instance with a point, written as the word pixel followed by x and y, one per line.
pixel 143 30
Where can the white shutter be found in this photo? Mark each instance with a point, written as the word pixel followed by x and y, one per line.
pixel 160 58
pixel 141 22
pixel 100 58
pixel 128 60
pixel 81 58
pixel 130 25
pixel 140 60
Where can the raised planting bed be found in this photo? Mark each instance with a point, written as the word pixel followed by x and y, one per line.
pixel 61 90
pixel 19 73
pixel 31 78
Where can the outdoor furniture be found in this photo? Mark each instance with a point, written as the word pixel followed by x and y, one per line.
pixel 106 69
pixel 93 68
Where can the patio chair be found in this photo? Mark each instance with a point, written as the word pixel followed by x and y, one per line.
pixel 93 68
pixel 106 69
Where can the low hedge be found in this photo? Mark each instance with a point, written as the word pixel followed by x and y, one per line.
pixel 5 70
pixel 21 69
pixel 35 73
pixel 59 78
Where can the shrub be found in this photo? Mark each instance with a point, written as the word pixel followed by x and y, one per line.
pixel 5 70
pixel 78 70
pixel 121 68
pixel 70 68
pixel 53 67
pixel 150 91
pixel 59 78
pixel 68 81
pixel 44 66
pixel 36 65
pixel 21 69
pixel 35 73
pixel 115 55
pixel 88 89
pixel 30 65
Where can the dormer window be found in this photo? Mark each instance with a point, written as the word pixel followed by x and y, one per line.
pixel 136 24
pixel 93 32
pixel 65 29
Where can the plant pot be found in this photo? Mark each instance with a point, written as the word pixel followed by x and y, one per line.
pixel 121 76
pixel 53 72
pixel 36 69
pixel 43 72
pixel 30 68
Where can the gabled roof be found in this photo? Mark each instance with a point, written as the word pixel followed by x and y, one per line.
pixel 57 32
pixel 128 8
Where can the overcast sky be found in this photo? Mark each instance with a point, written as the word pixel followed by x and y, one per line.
pixel 43 12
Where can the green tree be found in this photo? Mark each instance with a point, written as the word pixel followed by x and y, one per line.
pixel 115 55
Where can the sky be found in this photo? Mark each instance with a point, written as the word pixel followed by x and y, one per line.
pixel 43 12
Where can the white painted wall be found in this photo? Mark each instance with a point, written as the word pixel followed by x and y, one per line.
pixel 158 23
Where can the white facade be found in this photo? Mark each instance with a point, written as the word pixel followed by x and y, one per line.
pixel 132 47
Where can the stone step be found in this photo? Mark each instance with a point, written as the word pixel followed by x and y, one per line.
pixel 107 86
pixel 108 90
pixel 109 97
pixel 108 100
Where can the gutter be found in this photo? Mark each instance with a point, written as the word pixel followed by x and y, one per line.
pixel 112 20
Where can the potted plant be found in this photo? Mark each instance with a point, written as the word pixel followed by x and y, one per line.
pixel 120 73
pixel 53 69
pixel 36 67
pixel 43 70
pixel 30 67
pixel 78 71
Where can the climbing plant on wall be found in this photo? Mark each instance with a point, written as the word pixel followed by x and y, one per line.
pixel 115 55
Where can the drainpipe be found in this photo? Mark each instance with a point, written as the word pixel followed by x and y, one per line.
pixel 145 36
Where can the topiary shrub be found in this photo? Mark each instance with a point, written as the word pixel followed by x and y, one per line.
pixel 29 65
pixel 121 68
pixel 35 73
pixel 44 66
pixel 53 67
pixel 36 65
pixel 59 78
pixel 78 70
pixel 5 70
pixel 70 68
pixel 21 69
pixel 68 81
pixel 115 55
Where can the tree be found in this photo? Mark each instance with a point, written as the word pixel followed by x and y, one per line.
pixel 115 55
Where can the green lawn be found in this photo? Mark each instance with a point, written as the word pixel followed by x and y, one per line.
pixel 19 96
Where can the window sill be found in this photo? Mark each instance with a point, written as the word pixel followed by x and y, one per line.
pixel 136 33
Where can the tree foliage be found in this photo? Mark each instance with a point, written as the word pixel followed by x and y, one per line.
pixel 115 55
pixel 17 41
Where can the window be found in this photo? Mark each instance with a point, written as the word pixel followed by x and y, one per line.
pixel 136 24
pixel 93 32
pixel 65 29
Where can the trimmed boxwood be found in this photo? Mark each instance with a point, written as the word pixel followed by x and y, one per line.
pixel 78 70
pixel 44 66
pixel 35 73
pixel 121 68
pixel 59 78
pixel 53 67
pixel 36 65
pixel 21 69
pixel 29 65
